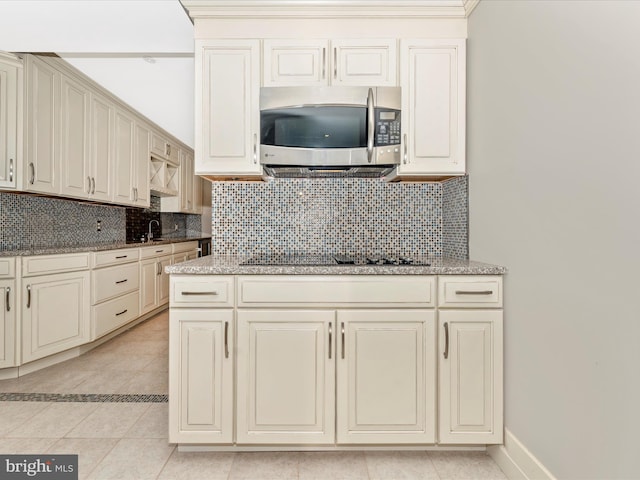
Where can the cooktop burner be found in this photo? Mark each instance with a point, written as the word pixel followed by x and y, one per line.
pixel 327 260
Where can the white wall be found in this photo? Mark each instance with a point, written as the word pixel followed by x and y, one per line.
pixel 554 163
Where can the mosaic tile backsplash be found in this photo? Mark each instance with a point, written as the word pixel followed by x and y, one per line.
pixel 331 216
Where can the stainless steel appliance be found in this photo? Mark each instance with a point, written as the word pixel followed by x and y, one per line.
pixel 328 260
pixel 204 247
pixel 330 131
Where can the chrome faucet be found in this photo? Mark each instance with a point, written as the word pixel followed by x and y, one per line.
pixel 150 234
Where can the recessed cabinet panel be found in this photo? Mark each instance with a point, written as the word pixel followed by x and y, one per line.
pixel 285 376
pixel 364 62
pixel 9 107
pixel 295 62
pixel 102 139
pixel 386 375
pixel 74 146
pixel 8 308
pixel 123 158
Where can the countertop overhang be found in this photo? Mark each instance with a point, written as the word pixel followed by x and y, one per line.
pixel 231 265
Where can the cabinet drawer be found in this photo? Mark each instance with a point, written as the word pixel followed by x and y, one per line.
pixel 7 267
pixel 201 291
pixel 44 264
pixel 113 314
pixel 184 247
pixel 404 291
pixel 155 251
pixel 113 281
pixel 470 291
pixel 114 257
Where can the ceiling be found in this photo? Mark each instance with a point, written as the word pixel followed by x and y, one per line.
pixel 141 50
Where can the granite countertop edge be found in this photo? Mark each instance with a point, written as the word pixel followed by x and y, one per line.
pixel 96 247
pixel 230 265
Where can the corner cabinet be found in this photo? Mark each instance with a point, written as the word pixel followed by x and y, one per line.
pixel 227 107
pixel 433 81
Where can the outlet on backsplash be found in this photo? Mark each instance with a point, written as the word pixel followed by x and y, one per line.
pixel 99 226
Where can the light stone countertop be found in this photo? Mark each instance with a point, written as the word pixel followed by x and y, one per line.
pixel 230 265
pixel 93 248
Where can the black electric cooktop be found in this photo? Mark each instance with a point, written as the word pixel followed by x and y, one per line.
pixel 327 260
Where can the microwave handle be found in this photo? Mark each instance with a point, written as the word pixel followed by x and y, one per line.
pixel 371 118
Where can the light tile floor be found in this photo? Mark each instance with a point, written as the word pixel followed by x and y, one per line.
pixel 129 440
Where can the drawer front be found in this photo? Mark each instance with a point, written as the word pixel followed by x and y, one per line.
pixel 201 291
pixel 343 290
pixel 113 281
pixel 113 314
pixel 472 291
pixel 184 247
pixel 44 264
pixel 155 251
pixel 7 267
pixel 115 257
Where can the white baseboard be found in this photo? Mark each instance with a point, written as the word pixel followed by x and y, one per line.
pixel 516 461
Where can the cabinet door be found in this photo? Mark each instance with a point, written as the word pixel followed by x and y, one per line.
pixel 102 140
pixel 296 62
pixel 227 107
pixel 42 127
pixel 55 314
pixel 201 376
pixel 123 159
pixel 470 376
pixel 7 323
pixel 163 280
pixel 286 375
pixel 75 174
pixel 8 123
pixel 433 104
pixel 386 371
pixel 186 184
pixel 148 285
pixel 141 160
pixel 364 62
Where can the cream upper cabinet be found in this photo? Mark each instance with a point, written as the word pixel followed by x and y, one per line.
pixel 386 371
pixel 75 173
pixel 227 107
pixel 330 62
pixel 190 192
pixel 286 379
pixel 10 107
pixel 102 140
pixel 123 158
pixel 433 81
pixel 141 160
pixel 42 149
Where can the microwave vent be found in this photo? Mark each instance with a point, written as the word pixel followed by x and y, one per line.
pixel 377 171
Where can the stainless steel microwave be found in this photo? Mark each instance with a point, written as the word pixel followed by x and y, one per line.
pixel 330 131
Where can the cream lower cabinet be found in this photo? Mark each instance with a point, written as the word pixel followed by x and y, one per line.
pixel 8 309
pixel 201 388
pixel 55 313
pixel 286 376
pixel 386 371
pixel 154 283
pixel 470 359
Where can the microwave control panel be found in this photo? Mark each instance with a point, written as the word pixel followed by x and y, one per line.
pixel 387 127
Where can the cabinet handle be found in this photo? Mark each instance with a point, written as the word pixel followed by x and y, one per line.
pixel 199 293
pixel 404 156
pixel 474 292
pixel 121 281
pixel 11 169
pixel 342 333
pixel 88 185
pixel 330 340
pixel 371 124
pixel 255 148
pixel 324 62
pixel 226 339
pixel 335 62
pixel 7 299
pixel 446 340
pixel 158 268
pixel 159 251
pixel 28 296
pixel 122 256
pixel 122 312
pixel 32 173
pixel 93 185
